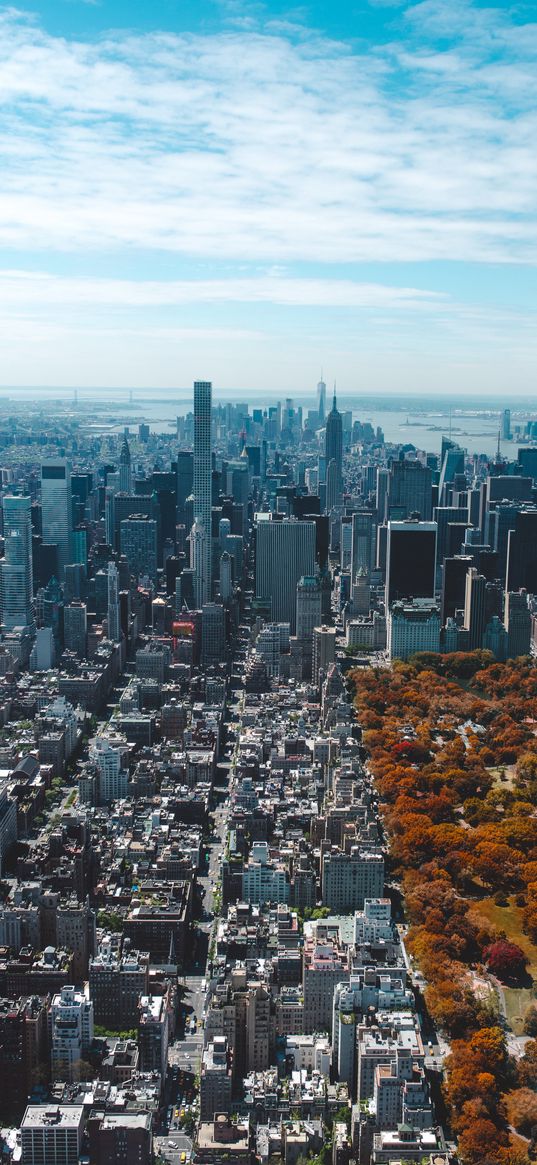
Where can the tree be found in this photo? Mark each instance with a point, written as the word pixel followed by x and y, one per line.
pixel 521 1109
pixel 530 1021
pixel 479 1141
pixel 506 960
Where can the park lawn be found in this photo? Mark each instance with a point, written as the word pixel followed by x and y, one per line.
pixel 517 1001
pixel 508 781
pixel 509 919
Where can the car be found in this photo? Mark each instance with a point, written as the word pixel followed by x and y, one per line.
pixel 183 1157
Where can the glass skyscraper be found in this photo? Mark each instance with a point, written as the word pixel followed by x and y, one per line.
pixel 202 489
pixel 56 510
pixel 16 589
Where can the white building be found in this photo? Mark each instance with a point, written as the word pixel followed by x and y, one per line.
pixel 51 1134
pixel 111 755
pixel 71 1023
pixel 413 626
pixel 263 880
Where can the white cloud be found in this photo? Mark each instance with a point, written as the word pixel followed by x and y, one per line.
pixel 19 287
pixel 265 146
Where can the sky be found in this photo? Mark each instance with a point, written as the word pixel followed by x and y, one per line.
pixel 250 192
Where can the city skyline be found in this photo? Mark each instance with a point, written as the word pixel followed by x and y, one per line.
pixel 283 189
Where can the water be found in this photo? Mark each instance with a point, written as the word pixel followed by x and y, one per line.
pixel 473 424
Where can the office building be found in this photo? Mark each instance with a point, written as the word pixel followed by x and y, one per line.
pixel 362 534
pixel 410 491
pixel 202 487
pixel 410 560
pixel 475 611
pixel 138 542
pixel 308 606
pixel 75 627
pixel 56 510
pixel 324 650
pixel 452 464
pixel 522 553
pixel 120 1138
pixel 71 1027
pixel 506 424
pixel 51 1134
pixel 454 573
pixel 16 585
pixel 213 634
pixel 517 624
pixel 285 552
pixel 413 625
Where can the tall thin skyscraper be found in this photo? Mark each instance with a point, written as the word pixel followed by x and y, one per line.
pixel 321 397
pixel 16 592
pixel 334 439
pixel 202 488
pixel 56 509
pixel 114 617
pixel 125 475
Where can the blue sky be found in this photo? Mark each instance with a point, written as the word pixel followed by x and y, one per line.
pixel 251 191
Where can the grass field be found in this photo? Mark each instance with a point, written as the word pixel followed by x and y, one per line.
pixel 517 1001
pixel 509 919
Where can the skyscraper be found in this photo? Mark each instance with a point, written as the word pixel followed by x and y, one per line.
pixel 410 560
pixel 16 591
pixel 202 488
pixel 475 616
pixel 334 440
pixel 285 551
pixel 410 490
pixel 308 606
pixel 362 527
pixel 334 495
pixel 125 475
pixel 56 509
pixel 522 553
pixel 321 397
pixel 138 539
pixel 114 617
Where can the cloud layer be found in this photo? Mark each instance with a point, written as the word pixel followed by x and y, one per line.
pixel 263 147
